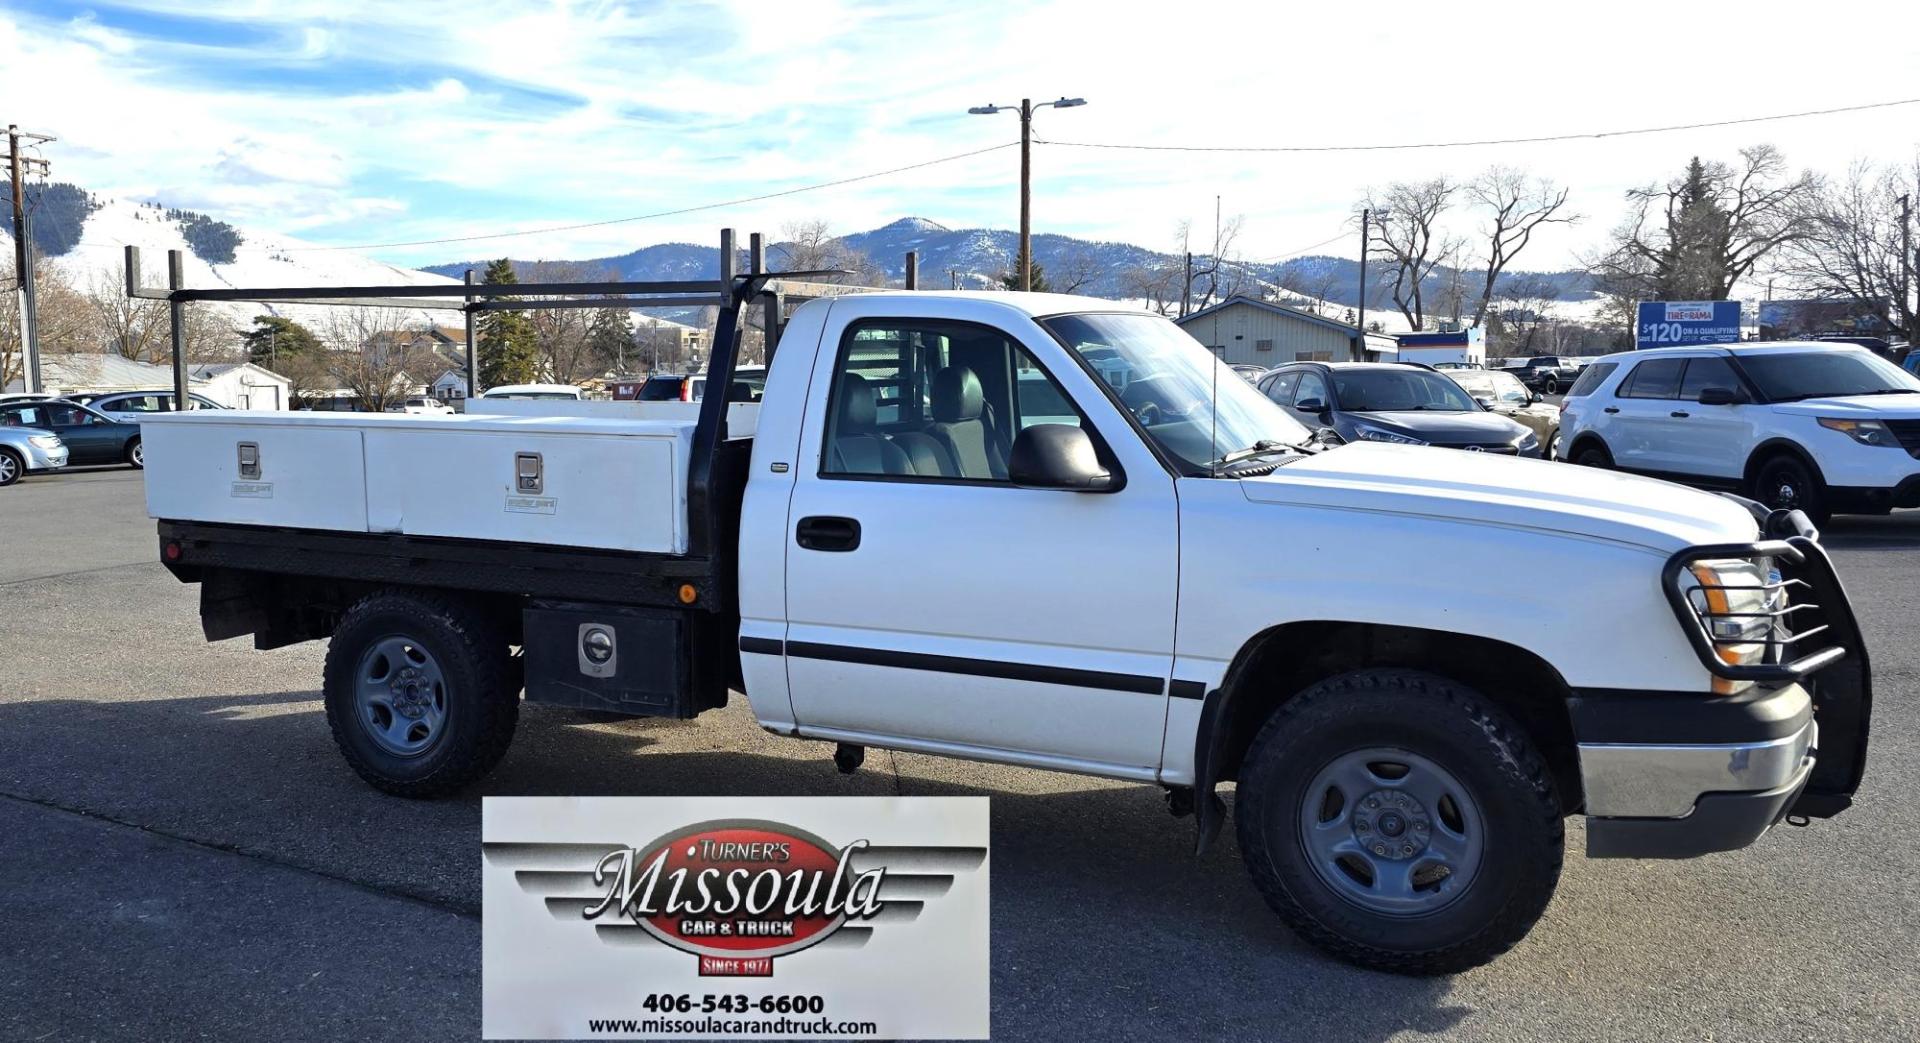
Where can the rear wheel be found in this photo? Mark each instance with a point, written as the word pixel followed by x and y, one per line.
pixel 11 467
pixel 1400 822
pixel 1786 483
pixel 136 454
pixel 1549 386
pixel 420 693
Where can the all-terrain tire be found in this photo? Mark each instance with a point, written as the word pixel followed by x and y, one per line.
pixel 479 694
pixel 1427 716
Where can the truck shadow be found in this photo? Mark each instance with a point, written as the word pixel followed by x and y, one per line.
pixel 1104 923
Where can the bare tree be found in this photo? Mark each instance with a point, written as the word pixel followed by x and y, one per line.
pixel 1516 206
pixel 1410 240
pixel 1218 273
pixel 1520 313
pixel 811 246
pixel 563 336
pixel 1853 250
pixel 1076 267
pixel 1154 281
pixel 378 371
pixel 1703 232
pixel 135 328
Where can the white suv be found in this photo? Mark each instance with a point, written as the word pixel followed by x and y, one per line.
pixel 1818 427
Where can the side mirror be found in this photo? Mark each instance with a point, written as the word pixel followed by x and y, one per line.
pixel 1311 405
pixel 1058 456
pixel 1721 397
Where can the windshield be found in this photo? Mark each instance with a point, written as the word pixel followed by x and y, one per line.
pixel 1786 376
pixel 1191 404
pixel 1391 389
pixel 660 389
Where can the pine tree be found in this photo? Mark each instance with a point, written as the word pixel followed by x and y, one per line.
pixel 1011 280
pixel 505 340
pixel 274 338
pixel 611 338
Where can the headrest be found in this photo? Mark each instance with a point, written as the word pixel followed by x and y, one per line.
pixel 856 406
pixel 956 395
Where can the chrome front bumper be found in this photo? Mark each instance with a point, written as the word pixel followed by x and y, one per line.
pixel 1632 780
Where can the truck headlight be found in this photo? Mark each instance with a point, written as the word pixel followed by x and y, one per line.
pixel 46 441
pixel 1865 432
pixel 1369 433
pixel 1738 602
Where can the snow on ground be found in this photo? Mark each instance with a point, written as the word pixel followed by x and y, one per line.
pixel 263 259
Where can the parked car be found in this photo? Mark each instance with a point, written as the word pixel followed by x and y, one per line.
pixel 533 391
pixel 26 450
pixel 421 406
pixel 1397 402
pixel 26 396
pixel 130 406
pixel 1472 366
pixel 1503 393
pixel 91 437
pixel 1816 427
pixel 1547 374
pixel 1249 371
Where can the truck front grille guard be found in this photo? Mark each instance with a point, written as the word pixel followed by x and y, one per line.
pixel 1810 587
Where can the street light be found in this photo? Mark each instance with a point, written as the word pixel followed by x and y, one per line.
pixel 1366 216
pixel 1026 172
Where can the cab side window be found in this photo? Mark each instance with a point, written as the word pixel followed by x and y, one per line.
pixel 1279 387
pixel 1312 385
pixel 928 399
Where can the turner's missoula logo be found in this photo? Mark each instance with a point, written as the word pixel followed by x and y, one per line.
pixel 738 893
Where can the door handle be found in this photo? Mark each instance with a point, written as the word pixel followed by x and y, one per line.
pixel 825 532
pixel 1680 413
pixel 1611 409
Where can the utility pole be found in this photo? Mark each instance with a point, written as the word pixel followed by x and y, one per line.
pixel 1186 286
pixel 1906 262
pixel 1026 172
pixel 18 167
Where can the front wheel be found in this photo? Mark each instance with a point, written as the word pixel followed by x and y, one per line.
pixel 1400 822
pixel 420 692
pixel 11 467
pixel 1784 483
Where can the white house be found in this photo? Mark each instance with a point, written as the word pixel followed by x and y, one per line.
pixel 450 386
pixel 241 385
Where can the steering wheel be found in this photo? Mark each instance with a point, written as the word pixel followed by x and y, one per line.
pixel 1148 414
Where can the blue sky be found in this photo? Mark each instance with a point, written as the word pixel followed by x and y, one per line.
pixel 351 123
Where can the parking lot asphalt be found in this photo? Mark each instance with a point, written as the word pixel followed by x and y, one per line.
pixel 183 855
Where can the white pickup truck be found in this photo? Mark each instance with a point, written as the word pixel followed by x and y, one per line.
pixel 944 529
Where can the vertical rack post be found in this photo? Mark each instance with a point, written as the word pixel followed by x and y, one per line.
pixel 473 354
pixel 177 315
pixel 912 281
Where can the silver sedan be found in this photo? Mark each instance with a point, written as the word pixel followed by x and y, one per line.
pixel 24 450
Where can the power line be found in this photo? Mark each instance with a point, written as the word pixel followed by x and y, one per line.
pixel 1295 253
pixel 1593 135
pixel 667 213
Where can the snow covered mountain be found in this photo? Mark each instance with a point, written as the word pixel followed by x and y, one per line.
pixel 85 236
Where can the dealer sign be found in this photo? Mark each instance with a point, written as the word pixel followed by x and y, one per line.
pixel 735 917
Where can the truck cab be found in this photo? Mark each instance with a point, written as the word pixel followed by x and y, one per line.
pixel 1051 531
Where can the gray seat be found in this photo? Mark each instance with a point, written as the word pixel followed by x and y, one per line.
pixel 858 447
pixel 960 428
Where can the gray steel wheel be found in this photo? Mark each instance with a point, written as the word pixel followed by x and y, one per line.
pixel 400 693
pixel 1392 832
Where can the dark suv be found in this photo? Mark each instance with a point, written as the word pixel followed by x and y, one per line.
pixel 1399 402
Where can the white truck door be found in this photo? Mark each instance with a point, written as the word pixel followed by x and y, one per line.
pixel 932 604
